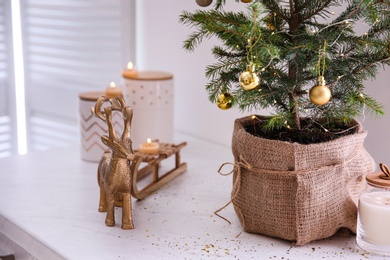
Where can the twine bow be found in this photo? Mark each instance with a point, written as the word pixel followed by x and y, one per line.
pixel 237 165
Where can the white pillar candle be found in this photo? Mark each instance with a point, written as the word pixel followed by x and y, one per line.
pixel 374 217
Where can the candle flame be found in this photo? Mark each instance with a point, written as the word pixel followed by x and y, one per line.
pixel 149 141
pixel 112 84
pixel 130 65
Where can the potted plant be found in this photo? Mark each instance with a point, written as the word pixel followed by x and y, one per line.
pixel 298 172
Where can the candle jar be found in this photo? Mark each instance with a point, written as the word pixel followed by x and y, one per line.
pixel 373 226
pixel 92 128
pixel 150 94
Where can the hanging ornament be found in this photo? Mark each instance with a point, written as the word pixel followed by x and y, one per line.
pixel 320 94
pixel 269 22
pixel 225 101
pixel 273 21
pixel 204 3
pixel 246 1
pixel 249 79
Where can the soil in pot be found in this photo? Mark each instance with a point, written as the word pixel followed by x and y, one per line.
pixel 310 132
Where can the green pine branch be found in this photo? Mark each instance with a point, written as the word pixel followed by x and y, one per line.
pixel 223 25
pixel 285 40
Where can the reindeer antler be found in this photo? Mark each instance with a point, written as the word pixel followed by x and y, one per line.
pixel 97 111
pixel 105 114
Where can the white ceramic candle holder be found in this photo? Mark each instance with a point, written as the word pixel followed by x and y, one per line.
pixel 151 95
pixel 92 128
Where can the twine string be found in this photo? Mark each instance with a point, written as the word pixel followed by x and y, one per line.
pixel 236 185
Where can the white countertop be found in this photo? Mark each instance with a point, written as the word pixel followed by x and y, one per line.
pixel 49 207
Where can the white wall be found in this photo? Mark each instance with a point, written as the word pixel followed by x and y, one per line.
pixel 378 138
pixel 159 47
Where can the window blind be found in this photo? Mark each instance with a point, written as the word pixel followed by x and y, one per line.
pixel 8 144
pixel 71 46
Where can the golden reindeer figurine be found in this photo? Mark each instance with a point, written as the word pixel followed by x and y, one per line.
pixel 116 167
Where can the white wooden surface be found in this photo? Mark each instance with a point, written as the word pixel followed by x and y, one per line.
pixel 49 201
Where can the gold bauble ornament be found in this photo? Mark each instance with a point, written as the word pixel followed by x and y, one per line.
pixel 225 101
pixel 204 3
pixel 269 22
pixel 272 21
pixel 320 94
pixel 249 79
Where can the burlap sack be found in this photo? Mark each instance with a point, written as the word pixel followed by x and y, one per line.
pixel 298 192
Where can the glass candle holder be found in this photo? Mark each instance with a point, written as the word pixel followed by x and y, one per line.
pixel 373 226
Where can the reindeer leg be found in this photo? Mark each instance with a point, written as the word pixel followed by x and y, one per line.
pixel 101 173
pixel 103 199
pixel 110 218
pixel 127 218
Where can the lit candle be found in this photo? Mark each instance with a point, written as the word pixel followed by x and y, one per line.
pixel 113 91
pixel 130 72
pixel 374 216
pixel 149 147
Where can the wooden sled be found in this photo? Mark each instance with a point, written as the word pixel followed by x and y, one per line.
pixel 153 167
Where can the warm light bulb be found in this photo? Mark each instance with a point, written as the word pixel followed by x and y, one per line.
pixel 130 65
pixel 149 141
pixel 112 84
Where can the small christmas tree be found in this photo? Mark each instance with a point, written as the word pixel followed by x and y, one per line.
pixel 295 56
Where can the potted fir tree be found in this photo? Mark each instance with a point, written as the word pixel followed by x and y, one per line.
pixel 299 171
